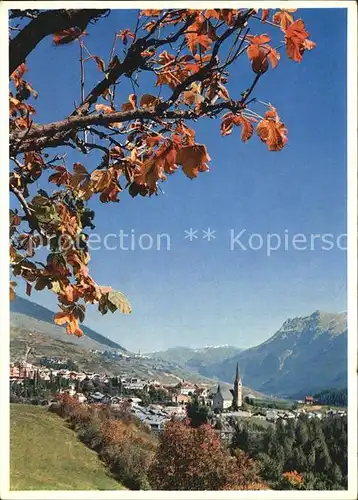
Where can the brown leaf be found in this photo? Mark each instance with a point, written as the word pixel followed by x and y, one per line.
pixel 193 159
pixel 131 104
pixel 148 101
pixel 67 36
pixel 230 119
pixel 79 176
pixel 100 63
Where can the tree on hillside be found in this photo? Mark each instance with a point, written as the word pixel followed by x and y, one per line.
pixel 188 56
pixel 196 459
pixel 197 413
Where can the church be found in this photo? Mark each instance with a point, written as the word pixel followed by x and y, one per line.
pixel 227 398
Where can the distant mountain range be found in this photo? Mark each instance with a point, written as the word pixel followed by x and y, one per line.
pixel 197 359
pixel 306 355
pixel 34 335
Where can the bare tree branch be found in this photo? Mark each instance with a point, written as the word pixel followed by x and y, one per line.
pixel 49 135
pixel 45 24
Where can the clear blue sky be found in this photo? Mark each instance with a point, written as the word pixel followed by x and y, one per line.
pixel 201 292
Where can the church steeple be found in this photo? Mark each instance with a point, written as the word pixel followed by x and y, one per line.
pixel 237 378
pixel 237 388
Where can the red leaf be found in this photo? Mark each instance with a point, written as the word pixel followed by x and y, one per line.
pixel 264 14
pixel 67 36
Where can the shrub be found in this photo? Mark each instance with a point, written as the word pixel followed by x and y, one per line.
pixel 90 434
pixel 196 459
pixel 128 463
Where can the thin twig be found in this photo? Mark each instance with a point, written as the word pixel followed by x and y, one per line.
pixel 30 217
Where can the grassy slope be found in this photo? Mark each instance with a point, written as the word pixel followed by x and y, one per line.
pixel 46 455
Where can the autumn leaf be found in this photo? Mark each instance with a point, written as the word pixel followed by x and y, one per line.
pixel 231 119
pixel 193 159
pixel 296 40
pixel 200 35
pixel 283 18
pixel 103 108
pixel 67 36
pixel 148 173
pixel 203 41
pixel 150 12
pixel 61 177
pixel 73 328
pixel 272 131
pixel 264 15
pixel 101 179
pixel 124 35
pixel 110 194
pixel 259 53
pixel 131 104
pixel 79 176
pixel 99 62
pixel 148 101
pixel 17 75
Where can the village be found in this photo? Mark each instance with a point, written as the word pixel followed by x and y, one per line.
pixel 150 401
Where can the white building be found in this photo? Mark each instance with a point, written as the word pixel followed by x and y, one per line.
pixel 222 399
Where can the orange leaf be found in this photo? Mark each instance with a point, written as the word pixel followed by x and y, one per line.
pixel 258 39
pixel 103 108
pixel 19 72
pixel 272 131
pixel 231 119
pixel 193 159
pixel 296 40
pixel 259 52
pixel 283 18
pixel 131 104
pixel 273 56
pixel 124 35
pixel 61 318
pixel 150 12
pixel 264 14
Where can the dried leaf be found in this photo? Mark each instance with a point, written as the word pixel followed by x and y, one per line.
pixel 148 101
pixel 120 301
pixel 67 36
pixel 272 131
pixel 100 63
pixel 193 159
pixel 296 40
